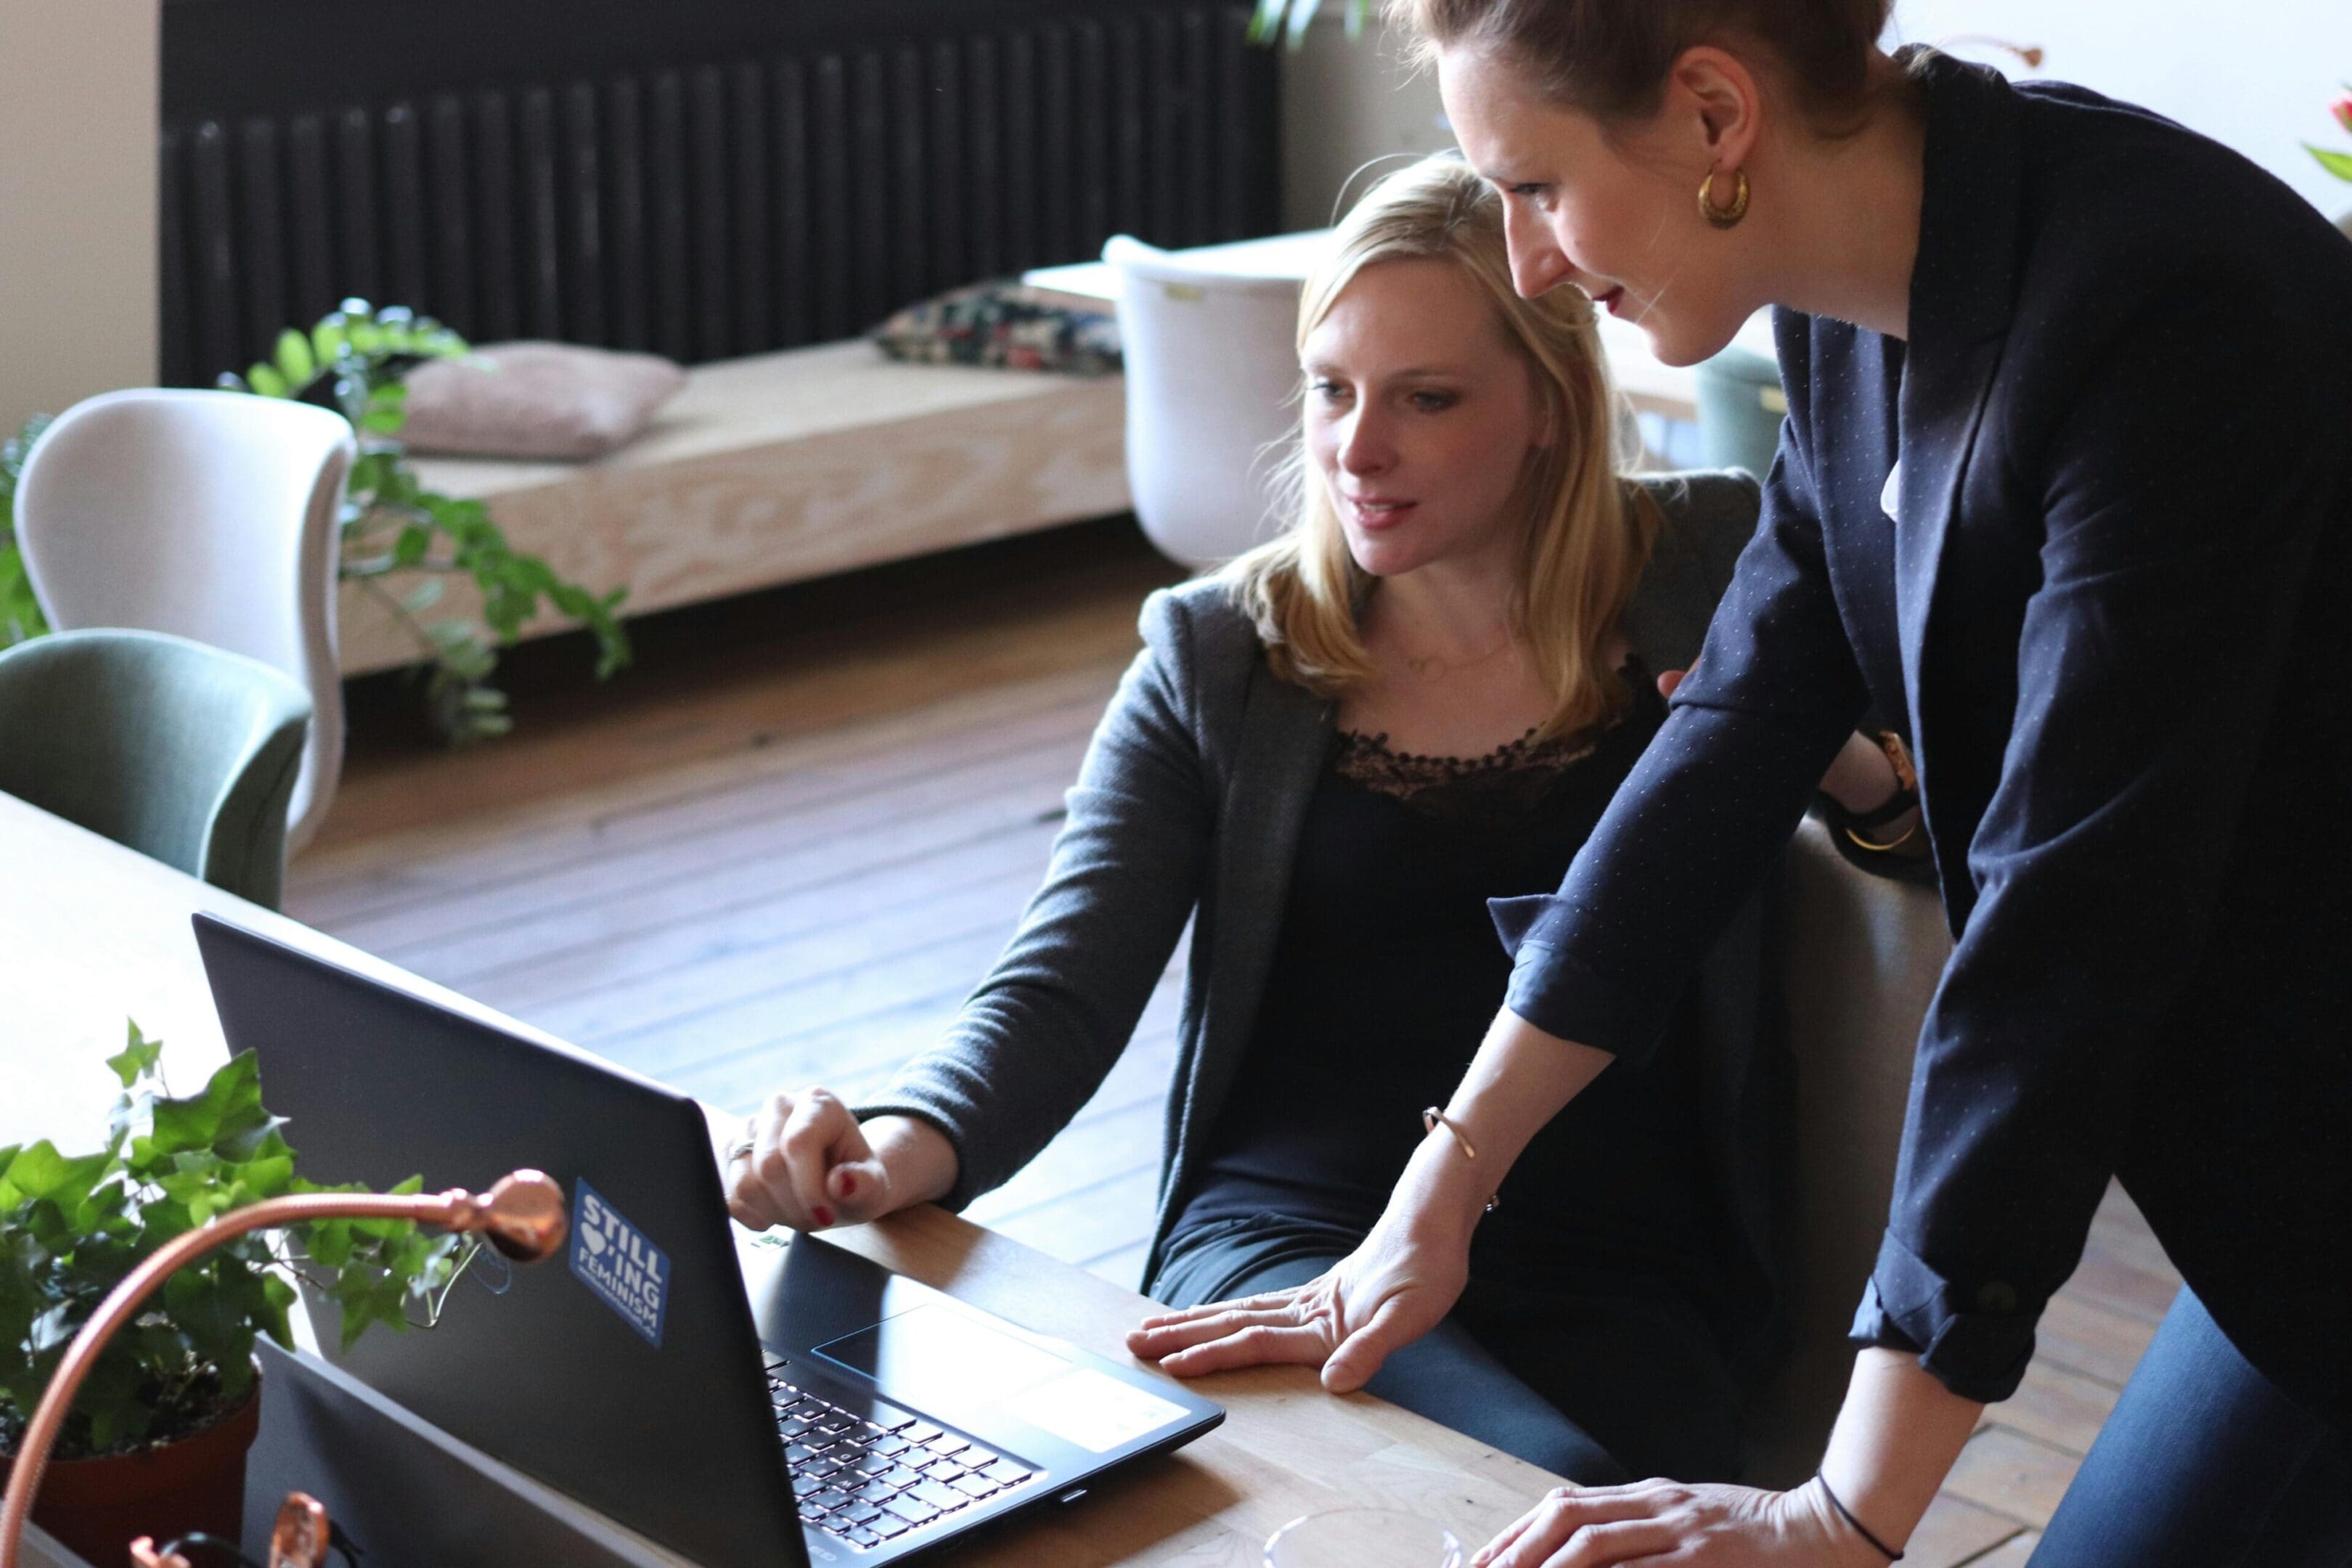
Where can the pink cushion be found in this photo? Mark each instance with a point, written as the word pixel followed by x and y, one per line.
pixel 535 400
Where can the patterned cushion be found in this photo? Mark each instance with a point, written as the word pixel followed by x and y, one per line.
pixel 1004 326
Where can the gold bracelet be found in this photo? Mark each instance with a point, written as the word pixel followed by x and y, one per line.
pixel 1909 834
pixel 1432 1119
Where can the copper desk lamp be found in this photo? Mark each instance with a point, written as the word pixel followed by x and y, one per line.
pixel 521 1215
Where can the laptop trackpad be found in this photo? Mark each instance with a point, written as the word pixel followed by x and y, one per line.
pixel 933 1352
pixel 938 1359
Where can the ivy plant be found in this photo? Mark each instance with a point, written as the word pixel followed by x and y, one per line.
pixel 401 540
pixel 20 613
pixel 397 533
pixel 71 1227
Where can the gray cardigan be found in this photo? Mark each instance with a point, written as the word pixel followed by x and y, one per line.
pixel 1188 806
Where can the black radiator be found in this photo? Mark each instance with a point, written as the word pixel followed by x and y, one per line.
pixel 702 178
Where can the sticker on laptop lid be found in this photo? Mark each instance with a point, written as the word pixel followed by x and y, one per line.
pixel 1097 1411
pixel 619 1263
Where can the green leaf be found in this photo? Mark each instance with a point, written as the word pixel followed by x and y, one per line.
pixel 369 472
pixel 383 421
pixel 279 1298
pixel 138 1058
pixel 328 1242
pixel 42 1175
pixel 400 488
pixel 228 1107
pixel 294 358
pixel 528 575
pixel 20 613
pixel 2337 163
pixel 327 340
pixel 265 382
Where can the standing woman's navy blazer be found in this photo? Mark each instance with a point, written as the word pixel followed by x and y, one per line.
pixel 2107 595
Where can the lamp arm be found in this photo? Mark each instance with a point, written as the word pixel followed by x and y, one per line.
pixel 522 1216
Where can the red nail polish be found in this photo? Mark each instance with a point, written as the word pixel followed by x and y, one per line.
pixel 848 1185
pixel 822 1215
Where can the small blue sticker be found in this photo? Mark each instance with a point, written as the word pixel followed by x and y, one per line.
pixel 619 1263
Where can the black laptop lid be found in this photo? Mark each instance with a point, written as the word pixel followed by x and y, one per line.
pixel 626 1372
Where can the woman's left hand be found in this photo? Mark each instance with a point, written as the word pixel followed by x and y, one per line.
pixel 1660 1522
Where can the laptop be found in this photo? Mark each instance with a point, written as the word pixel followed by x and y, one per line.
pixel 748 1401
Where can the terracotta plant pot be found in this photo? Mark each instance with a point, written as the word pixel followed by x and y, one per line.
pixel 98 1507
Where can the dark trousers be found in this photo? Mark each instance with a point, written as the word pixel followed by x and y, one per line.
pixel 2205 1464
pixel 1608 1382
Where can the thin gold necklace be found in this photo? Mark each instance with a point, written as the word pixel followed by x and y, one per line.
pixel 1432 668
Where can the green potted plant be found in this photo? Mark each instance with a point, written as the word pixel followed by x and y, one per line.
pixel 155 1444
pixel 2338 164
pixel 400 540
pixel 353 360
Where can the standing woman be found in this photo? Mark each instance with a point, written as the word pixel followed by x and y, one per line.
pixel 2066 488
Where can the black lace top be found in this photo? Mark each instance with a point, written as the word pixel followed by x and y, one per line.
pixel 1388 971
pixel 1496 793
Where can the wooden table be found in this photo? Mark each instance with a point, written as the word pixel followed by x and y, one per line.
pixel 93 931
pixel 1650 384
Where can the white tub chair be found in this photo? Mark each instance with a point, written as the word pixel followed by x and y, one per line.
pixel 1211 399
pixel 210 515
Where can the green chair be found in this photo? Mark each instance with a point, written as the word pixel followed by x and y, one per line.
pixel 182 750
pixel 1740 406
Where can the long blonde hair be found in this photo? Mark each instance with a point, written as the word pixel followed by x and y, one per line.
pixel 1588 531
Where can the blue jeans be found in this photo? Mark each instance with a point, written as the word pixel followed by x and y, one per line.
pixel 1601 1385
pixel 2205 1464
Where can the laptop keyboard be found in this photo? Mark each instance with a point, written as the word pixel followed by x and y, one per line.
pixel 869 1481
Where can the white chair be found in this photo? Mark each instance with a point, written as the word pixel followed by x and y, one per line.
pixel 210 515
pixel 1211 399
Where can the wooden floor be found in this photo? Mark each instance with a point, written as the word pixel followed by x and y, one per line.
pixel 783 849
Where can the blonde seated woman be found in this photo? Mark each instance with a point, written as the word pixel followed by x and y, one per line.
pixel 1333 754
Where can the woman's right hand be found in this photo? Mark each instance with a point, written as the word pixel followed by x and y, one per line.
pixel 1395 1288
pixel 811 1165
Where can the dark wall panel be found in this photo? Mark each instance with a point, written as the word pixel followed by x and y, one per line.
pixel 704 178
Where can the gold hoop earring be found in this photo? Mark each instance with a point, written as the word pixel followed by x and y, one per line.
pixel 1723 217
